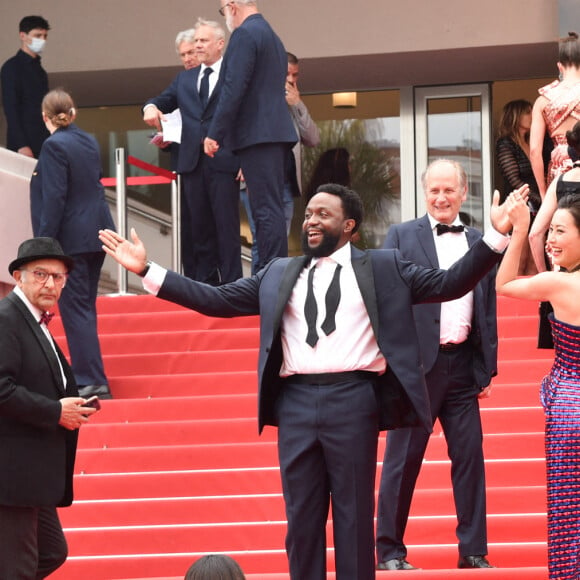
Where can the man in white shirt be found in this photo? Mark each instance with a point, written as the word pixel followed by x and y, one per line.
pixel 458 342
pixel 338 361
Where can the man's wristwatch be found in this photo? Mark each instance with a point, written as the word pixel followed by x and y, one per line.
pixel 143 272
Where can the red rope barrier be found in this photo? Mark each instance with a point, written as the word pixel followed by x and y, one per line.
pixel 151 168
pixel 137 180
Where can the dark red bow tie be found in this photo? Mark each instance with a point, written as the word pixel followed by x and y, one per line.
pixel 46 317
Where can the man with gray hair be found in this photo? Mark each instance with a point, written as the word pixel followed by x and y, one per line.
pixel 210 221
pixel 252 113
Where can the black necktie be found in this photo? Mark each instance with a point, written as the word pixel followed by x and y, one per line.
pixel 332 300
pixel 444 228
pixel 311 309
pixel 204 86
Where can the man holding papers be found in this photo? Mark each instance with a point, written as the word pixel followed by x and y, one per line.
pixel 210 221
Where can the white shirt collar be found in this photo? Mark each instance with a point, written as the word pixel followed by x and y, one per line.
pixel 340 256
pixel 36 312
pixel 215 67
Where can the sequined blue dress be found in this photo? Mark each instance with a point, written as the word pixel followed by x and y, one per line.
pixel 560 393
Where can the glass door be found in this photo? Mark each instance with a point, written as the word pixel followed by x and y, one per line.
pixel 453 122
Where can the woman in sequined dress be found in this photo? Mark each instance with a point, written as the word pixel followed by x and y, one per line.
pixel 560 390
pixel 556 110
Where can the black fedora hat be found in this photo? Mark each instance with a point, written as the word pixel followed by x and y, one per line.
pixel 40 249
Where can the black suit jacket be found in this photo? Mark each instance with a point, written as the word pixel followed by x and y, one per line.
pixel 36 454
pixel 182 93
pixel 389 287
pixel 415 241
pixel 24 84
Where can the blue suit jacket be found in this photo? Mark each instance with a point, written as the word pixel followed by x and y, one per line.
pixel 67 200
pixel 252 107
pixel 182 93
pixel 415 241
pixel 389 287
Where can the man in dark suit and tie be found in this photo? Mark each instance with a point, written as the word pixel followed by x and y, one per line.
pixel 40 414
pixel 458 346
pixel 339 360
pixel 210 220
pixel 253 113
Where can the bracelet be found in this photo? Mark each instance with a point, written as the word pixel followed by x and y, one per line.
pixel 143 272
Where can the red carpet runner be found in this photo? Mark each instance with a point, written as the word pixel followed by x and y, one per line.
pixel 173 468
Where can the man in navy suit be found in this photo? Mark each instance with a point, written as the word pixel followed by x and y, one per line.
pixel 338 361
pixel 210 221
pixel 24 84
pixel 458 344
pixel 253 113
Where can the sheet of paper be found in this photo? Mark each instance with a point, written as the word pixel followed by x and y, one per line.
pixel 172 126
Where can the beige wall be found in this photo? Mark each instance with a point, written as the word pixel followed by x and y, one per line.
pixel 121 34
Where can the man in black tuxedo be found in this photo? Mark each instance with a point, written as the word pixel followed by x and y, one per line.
pixel 210 221
pixel 253 115
pixel 338 361
pixel 40 414
pixel 458 345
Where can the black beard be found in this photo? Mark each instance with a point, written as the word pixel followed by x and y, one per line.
pixel 326 247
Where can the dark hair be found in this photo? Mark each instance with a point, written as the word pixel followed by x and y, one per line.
pixel 509 122
pixel 573 137
pixel 215 567
pixel 352 205
pixel 571 202
pixel 59 107
pixel 332 167
pixel 29 23
pixel 292 58
pixel 569 50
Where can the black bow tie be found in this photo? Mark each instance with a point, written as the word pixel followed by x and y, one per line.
pixel 444 228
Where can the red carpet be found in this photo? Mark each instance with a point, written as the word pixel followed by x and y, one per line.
pixel 173 467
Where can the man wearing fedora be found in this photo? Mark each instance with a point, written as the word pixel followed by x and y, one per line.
pixel 40 414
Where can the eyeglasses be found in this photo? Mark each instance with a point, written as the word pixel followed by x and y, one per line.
pixel 222 10
pixel 41 277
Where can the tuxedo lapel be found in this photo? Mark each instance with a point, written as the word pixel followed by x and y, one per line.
pixel 363 271
pixel 287 283
pixel 425 237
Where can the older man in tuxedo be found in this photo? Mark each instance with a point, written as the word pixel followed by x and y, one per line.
pixel 210 221
pixel 458 344
pixel 338 361
pixel 40 414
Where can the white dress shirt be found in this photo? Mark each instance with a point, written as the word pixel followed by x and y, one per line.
pixel 456 315
pixel 213 77
pixel 352 346
pixel 37 314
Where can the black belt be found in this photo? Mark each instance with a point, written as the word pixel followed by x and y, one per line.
pixel 451 346
pixel 332 378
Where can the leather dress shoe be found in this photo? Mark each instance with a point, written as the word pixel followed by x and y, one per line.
pixel 396 564
pixel 474 562
pixel 101 391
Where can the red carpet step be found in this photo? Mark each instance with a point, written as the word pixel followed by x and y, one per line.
pixel 173 467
